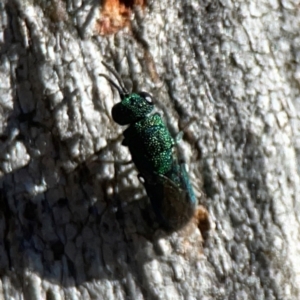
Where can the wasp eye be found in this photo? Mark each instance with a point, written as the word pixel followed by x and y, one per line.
pixel 147 97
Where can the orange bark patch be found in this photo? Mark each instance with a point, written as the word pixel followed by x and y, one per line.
pixel 116 14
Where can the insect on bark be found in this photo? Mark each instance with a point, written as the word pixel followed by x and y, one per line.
pixel 154 154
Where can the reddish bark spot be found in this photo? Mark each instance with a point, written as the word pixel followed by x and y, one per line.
pixel 116 14
pixel 202 220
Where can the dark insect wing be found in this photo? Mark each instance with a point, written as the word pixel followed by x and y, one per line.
pixel 172 196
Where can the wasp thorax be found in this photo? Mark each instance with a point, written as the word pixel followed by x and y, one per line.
pixel 132 108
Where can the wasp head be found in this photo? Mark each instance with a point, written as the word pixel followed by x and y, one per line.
pixel 133 106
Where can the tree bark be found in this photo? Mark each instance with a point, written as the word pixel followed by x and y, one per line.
pixel 75 222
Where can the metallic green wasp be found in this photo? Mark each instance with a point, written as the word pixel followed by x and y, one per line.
pixel 153 152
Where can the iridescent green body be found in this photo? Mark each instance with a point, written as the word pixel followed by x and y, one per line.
pixel 150 145
pixel 153 152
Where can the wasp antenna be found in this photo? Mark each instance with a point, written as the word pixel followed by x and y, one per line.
pixel 117 76
pixel 121 92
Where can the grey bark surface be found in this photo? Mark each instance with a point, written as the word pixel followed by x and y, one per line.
pixel 73 225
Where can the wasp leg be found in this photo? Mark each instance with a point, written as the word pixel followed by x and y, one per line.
pixel 178 137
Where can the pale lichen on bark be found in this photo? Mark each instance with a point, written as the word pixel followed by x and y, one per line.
pixel 75 226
